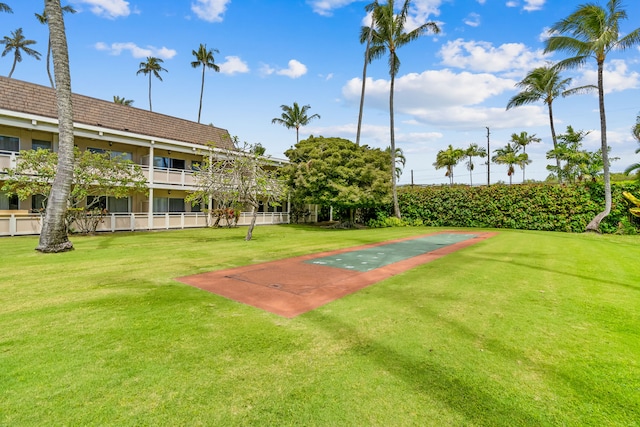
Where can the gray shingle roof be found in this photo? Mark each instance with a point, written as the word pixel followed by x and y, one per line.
pixel 24 97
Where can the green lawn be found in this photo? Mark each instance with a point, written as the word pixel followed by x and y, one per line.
pixel 525 328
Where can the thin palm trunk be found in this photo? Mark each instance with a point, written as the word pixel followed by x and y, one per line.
pixel 594 225
pixel 53 237
pixel 150 107
pixel 394 190
pixel 364 80
pixel 13 67
pixel 201 92
pixel 297 134
pixel 554 139
pixel 48 65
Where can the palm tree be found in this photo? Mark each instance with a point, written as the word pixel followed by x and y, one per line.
pixel 448 159
pixel 592 32
pixel 18 44
pixel 387 36
pixel 545 84
pixel 42 18
pixel 122 100
pixel 474 150
pixel 5 8
pixel 295 117
pixel 53 237
pixel 522 140
pixel 510 155
pixel 401 160
pixel 205 59
pixel 151 67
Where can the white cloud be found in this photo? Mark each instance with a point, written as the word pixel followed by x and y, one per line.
pixel 108 8
pixel 617 77
pixel 326 7
pixel 484 57
pixel 136 51
pixel 512 4
pixel 296 69
pixel 533 5
pixel 472 20
pixel 233 65
pixel 210 10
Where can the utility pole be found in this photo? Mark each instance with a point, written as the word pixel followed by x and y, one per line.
pixel 488 159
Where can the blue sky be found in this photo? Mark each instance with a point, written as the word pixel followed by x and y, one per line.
pixel 450 87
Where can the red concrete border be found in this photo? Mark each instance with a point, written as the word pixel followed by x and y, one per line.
pixel 290 287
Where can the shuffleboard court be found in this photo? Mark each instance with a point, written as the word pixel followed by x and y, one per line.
pixel 294 286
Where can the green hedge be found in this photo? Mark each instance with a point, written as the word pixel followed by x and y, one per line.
pixel 548 207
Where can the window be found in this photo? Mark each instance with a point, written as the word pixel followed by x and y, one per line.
pixel 111 204
pixel 176 205
pixel 8 202
pixel 125 155
pixel 160 204
pixel 37 144
pixel 96 150
pixel 169 163
pixel 9 143
pixel 38 201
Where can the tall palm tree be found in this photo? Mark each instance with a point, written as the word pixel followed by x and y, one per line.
pixel 122 100
pixel 53 237
pixel 591 32
pixel 205 59
pixel 522 140
pixel 448 159
pixel 545 84
pixel 511 156
pixel 18 44
pixel 474 150
pixel 295 117
pixel 5 8
pixel 387 36
pixel 42 18
pixel 151 67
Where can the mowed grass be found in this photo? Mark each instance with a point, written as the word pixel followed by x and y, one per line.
pixel 525 328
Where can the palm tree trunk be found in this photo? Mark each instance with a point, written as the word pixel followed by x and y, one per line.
pixel 524 150
pixel 48 63
pixel 150 108
pixel 364 80
pixel 554 139
pixel 13 67
pixel 297 134
pixel 254 216
pixel 394 190
pixel 201 92
pixel 594 225
pixel 53 237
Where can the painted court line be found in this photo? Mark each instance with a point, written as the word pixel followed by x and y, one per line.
pixel 293 286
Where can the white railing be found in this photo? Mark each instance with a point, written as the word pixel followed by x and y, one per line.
pixel 28 224
pixel 179 177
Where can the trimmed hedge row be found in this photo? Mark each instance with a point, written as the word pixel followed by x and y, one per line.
pixel 548 207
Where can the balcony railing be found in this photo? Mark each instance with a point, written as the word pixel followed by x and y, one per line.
pixel 26 224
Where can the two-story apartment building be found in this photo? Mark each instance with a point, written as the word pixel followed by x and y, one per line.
pixel 167 148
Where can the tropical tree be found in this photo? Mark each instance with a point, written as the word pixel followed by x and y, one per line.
pixel 591 32
pixel 569 153
pixel 17 44
pixel 474 150
pixel 636 134
pixel 545 84
pixel 204 57
pixel 122 100
pixel 295 117
pixel 368 8
pixel 401 160
pixel 448 159
pixel 53 237
pixel 42 18
pixel 388 35
pixel 5 8
pixel 151 67
pixel 511 156
pixel 522 140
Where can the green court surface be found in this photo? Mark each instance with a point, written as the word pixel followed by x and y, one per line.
pixel 371 258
